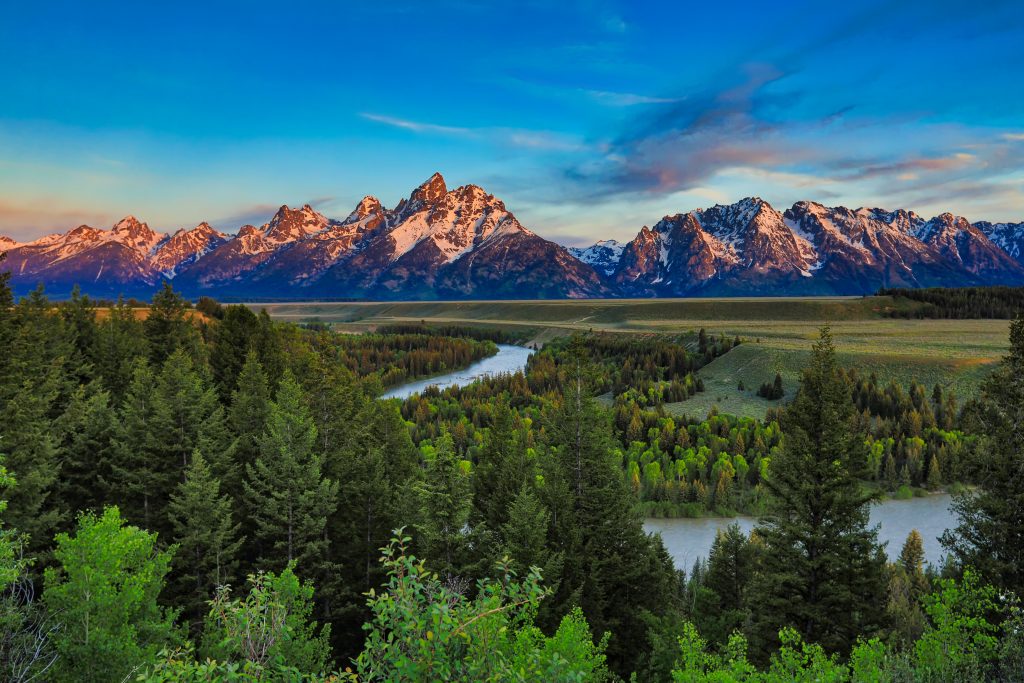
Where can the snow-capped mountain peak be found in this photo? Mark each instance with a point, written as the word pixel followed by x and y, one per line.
pixel 185 247
pixel 603 255
pixel 132 232
pixel 464 243
pixel 289 225
pixel 431 190
pixel 1007 236
pixel 367 206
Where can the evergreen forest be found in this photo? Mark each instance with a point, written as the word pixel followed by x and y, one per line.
pixel 196 492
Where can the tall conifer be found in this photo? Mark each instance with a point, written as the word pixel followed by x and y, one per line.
pixel 989 534
pixel 207 538
pixel 286 494
pixel 822 566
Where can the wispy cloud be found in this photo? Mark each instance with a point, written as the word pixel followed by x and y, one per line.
pixel 687 142
pixel 418 126
pixel 745 135
pixel 908 169
pixel 496 135
pixel 627 99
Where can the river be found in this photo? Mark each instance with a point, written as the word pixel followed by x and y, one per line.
pixel 508 359
pixel 689 539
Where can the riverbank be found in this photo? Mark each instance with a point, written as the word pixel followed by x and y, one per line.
pixel 664 510
pixel 508 359
pixel 690 539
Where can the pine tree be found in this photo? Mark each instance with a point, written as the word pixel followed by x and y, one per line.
pixel 233 338
pixel 445 503
pixel 731 567
pixel 987 536
pixel 269 348
pixel 611 568
pixel 335 399
pixel 934 481
pixel 87 430
pixel 207 538
pixel 822 566
pixel 160 428
pixel 525 537
pixel 167 326
pixel 891 477
pixel 376 466
pixel 182 404
pixel 79 316
pixel 35 388
pixel 27 439
pixel 219 445
pixel 120 342
pixel 907 585
pixel 6 313
pixel 286 495
pixel 912 562
pixel 250 409
pixel 501 471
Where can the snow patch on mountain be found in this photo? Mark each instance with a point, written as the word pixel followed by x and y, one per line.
pixel 603 255
pixel 1007 236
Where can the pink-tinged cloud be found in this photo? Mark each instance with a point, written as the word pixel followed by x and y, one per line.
pixel 24 222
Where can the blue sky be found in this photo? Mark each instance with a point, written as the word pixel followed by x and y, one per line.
pixel 589 118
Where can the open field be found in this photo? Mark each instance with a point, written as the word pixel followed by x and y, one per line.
pixel 604 313
pixel 778 335
pixel 143 312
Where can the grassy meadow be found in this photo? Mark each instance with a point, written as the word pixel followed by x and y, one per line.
pixel 778 333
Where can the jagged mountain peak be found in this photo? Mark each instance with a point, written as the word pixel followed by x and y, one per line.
pixel 185 247
pixel 129 223
pixel 289 225
pixel 730 222
pixel 83 232
pixel 463 242
pixel 945 226
pixel 603 255
pixel 431 190
pixel 136 234
pixel 203 228
pixel 367 206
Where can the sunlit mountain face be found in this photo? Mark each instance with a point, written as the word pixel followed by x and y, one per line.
pixel 463 243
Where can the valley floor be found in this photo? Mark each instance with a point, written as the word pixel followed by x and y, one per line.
pixel 778 333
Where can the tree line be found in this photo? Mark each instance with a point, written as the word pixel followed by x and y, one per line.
pixel 958 302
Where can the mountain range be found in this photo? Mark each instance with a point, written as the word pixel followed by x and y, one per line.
pixel 464 244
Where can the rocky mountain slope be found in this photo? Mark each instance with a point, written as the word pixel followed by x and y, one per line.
pixel 751 248
pixel 463 243
pixel 603 255
pixel 1007 236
